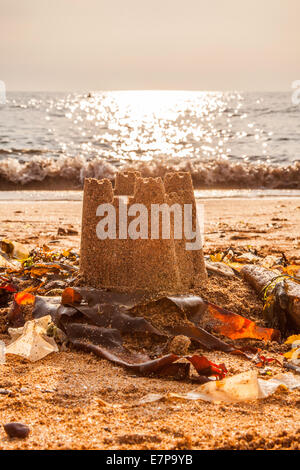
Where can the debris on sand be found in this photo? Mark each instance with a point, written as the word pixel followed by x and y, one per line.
pixel 110 325
pixel 292 357
pixel 18 430
pixel 14 249
pixel 238 388
pixel 70 230
pixel 281 293
pixel 273 278
pixel 179 345
pixel 31 341
pixel 219 268
pixel 150 334
pixel 4 263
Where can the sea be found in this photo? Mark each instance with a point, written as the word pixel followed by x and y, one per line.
pixel 233 143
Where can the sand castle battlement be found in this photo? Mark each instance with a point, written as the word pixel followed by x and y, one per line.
pixel 156 265
pixel 125 182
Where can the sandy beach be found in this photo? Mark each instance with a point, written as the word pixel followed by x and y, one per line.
pixel 68 398
pixel 271 224
pixel 123 326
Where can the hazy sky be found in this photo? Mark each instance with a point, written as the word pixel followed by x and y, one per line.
pixel 149 44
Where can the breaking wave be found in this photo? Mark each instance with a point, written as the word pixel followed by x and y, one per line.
pixel 71 171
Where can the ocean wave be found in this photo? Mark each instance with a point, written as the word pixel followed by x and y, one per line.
pixel 205 174
pixel 287 110
pixel 29 151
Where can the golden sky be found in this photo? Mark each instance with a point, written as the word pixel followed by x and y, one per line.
pixel 149 44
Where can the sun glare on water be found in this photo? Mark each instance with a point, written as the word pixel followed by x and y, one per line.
pixel 124 126
pixel 147 122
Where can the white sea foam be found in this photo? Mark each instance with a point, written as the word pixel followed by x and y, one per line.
pixel 214 173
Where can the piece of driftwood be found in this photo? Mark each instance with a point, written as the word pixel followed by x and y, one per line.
pixel 282 294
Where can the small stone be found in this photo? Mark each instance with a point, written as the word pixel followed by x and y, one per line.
pixel 67 231
pixel 3 391
pixel 179 345
pixel 16 430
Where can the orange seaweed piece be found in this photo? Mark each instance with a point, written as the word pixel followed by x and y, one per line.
pixel 42 269
pixel 6 285
pixel 205 367
pixel 70 296
pixel 235 326
pixel 24 298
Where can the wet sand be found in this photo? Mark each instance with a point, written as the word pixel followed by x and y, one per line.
pixel 61 397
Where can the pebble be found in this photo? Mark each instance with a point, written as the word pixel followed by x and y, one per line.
pixel 16 430
pixel 179 345
pixel 67 231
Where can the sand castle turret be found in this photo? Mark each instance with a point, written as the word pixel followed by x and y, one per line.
pixel 179 188
pixel 148 261
pixel 125 182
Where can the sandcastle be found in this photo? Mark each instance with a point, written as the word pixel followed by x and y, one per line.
pixel 156 265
